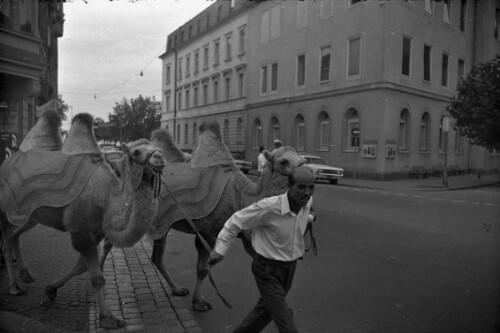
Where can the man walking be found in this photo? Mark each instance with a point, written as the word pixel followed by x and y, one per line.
pixel 278 224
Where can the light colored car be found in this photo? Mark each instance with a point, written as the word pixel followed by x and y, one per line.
pixel 323 171
pixel 243 165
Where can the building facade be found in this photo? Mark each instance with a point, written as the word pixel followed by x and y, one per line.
pixel 364 84
pixel 28 65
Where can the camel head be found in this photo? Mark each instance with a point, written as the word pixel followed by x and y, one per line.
pixel 45 135
pixel 145 162
pixel 163 139
pixel 283 160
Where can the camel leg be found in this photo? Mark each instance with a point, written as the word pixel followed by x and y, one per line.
pixel 22 269
pixel 159 246
pixel 199 303
pixel 87 245
pixel 51 289
pixel 105 251
pixel 14 288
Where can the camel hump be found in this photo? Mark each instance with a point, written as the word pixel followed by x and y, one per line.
pixel 46 134
pixel 210 150
pixel 81 137
pixel 163 139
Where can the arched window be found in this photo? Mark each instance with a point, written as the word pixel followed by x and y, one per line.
pixel 195 132
pixel 276 132
pixel 443 136
pixel 353 129
pixel 226 131
pixel 178 134
pixel 300 132
pixel 186 134
pixel 425 132
pixel 324 138
pixel 404 130
pixel 257 133
pixel 239 131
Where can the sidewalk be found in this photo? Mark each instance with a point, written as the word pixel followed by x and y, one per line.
pixel 426 184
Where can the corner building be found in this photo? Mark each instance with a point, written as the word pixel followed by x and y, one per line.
pixel 364 84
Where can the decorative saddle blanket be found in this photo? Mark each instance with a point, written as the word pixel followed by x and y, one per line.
pixel 32 179
pixel 197 191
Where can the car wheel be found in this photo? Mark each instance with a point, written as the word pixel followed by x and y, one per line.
pixel 334 181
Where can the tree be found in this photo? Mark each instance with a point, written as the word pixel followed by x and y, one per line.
pixel 62 107
pixel 136 118
pixel 476 108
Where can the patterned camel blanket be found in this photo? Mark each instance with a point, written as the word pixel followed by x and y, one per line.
pixel 32 179
pixel 196 190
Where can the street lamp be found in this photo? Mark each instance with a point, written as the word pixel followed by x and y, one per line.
pixel 446 130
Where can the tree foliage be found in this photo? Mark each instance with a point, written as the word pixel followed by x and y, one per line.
pixel 135 119
pixel 476 108
pixel 62 107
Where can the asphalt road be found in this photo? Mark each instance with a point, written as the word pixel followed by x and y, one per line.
pixel 388 261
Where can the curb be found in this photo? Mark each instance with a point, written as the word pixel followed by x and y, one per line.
pixel 15 323
pixel 423 188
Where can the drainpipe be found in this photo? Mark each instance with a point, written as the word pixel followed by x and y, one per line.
pixel 473 61
pixel 175 94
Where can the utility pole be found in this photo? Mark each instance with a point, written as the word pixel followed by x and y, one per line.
pixel 355 132
pixel 446 130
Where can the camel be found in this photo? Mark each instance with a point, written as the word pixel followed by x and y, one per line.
pixel 227 190
pixel 76 190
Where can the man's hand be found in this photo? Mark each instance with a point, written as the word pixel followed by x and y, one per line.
pixel 215 258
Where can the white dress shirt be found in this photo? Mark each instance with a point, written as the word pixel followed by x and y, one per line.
pixel 261 162
pixel 277 232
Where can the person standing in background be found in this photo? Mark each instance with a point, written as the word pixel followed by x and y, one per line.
pixel 277 143
pixel 261 160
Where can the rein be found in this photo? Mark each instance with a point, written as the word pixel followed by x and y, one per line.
pixel 203 241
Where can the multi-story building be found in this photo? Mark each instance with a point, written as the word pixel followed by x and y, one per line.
pixel 364 84
pixel 28 65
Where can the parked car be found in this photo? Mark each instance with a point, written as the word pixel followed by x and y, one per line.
pixel 244 166
pixel 323 171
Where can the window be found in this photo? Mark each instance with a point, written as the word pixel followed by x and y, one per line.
pixel 406 60
pixel 186 134
pixel 6 13
pixel 167 78
pixel 219 13
pixel 270 24
pixel 216 91
pixel 459 142
pixel 263 79
pixel 257 134
pixel 275 128
pixel 352 124
pixel 300 130
pixel 229 50
pixel 187 98
pixel 205 57
pixel 167 102
pixel 26 16
pixel 325 63
pixel 178 134
pixel 196 62
pixel 179 100
pixel 179 70
pixel 195 96
pixel 226 131
pixel 240 84
pixel 242 41
pixel 301 70
pixel 324 131
pixel 216 52
pixel 302 14
pixel 239 131
pixel 427 63
pixel 275 22
pixel 429 6
pixel 326 8
pixel 227 81
pixel 264 27
pixel 424 132
pixel 205 93
pixel 461 70
pixel 195 131
pixel 446 11
pixel 354 57
pixel 444 70
pixel 497 21
pixel 463 14
pixel 188 66
pixel 404 130
pixel 274 77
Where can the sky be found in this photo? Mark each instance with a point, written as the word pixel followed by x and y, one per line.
pixel 107 44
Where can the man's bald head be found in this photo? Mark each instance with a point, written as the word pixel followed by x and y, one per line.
pixel 301 173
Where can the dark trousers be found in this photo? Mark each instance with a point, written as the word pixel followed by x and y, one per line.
pixel 274 280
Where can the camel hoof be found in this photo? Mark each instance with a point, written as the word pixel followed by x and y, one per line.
pixel 16 291
pixel 111 322
pixel 25 276
pixel 201 305
pixel 51 292
pixel 180 291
